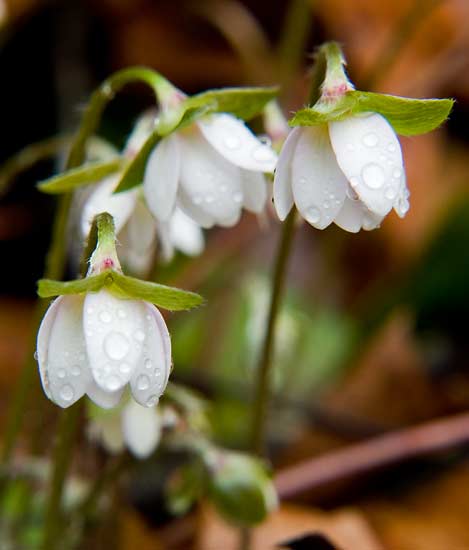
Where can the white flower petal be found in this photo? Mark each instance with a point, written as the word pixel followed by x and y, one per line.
pixel 194 211
pixel 161 178
pixel 185 234
pixel 283 192
pixel 104 399
pixel 62 356
pixel 114 336
pixel 141 428
pixel 318 184
pixel 120 205
pixel 254 191
pixel 350 216
pixel 151 375
pixel 107 430
pixel 237 144
pixel 210 182
pixel 369 154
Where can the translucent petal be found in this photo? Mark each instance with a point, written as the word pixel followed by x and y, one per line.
pixel 185 234
pixel 115 337
pixel 283 192
pixel 194 211
pixel 161 178
pixel 151 375
pixel 141 428
pixel 120 206
pixel 237 144
pixel 318 184
pixel 63 363
pixel 254 191
pixel 104 399
pixel 369 154
pixel 107 430
pixel 212 184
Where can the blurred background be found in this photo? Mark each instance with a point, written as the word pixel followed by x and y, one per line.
pixel 373 330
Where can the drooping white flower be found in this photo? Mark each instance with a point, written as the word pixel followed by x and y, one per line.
pixel 211 170
pixel 349 172
pixel 133 427
pixel 95 344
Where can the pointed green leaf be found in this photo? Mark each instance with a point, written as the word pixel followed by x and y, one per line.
pixel 408 117
pixel 48 288
pixel 78 177
pixel 162 296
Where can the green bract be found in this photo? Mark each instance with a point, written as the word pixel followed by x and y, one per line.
pixel 243 103
pixel 78 177
pixel 125 287
pixel 407 116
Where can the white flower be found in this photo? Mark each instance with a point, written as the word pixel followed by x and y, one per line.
pixel 211 170
pixel 96 343
pixel 137 231
pixel 349 172
pixel 135 427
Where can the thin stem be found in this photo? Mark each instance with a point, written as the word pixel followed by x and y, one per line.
pixel 262 385
pixel 403 31
pixel 63 451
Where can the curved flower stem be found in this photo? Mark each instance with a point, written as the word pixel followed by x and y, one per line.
pixel 262 384
pixel 61 459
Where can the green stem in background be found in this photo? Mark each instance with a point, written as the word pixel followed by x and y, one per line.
pixel 403 31
pixel 263 371
pixel 63 451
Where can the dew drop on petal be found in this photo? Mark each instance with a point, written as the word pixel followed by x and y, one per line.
pixel 197 199
pixel 75 370
pixel 326 204
pixel 112 383
pixel 303 181
pixel 124 368
pixel 403 206
pixel 373 175
pixel 89 310
pixel 237 197
pixel 209 199
pixel 351 194
pixel 61 373
pixel 139 335
pixel 313 214
pixel 121 314
pixel 105 316
pixel 231 142
pixel 116 346
pixel 148 364
pixel 67 393
pixel 152 400
pixel 397 173
pixel 223 188
pixel 143 382
pixel 390 193
pixel 36 356
pixel 370 140
pixel 391 147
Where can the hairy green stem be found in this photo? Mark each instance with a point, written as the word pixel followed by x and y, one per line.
pixel 68 426
pixel 263 372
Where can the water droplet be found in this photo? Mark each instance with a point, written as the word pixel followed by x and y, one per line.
pixel 231 142
pixel 67 393
pixel 263 154
pixel 223 188
pixel 36 356
pixel 124 367
pixel 139 335
pixel 107 89
pixel 89 310
pixel 67 354
pixel 326 204
pixel 105 317
pixel 148 317
pixel 238 197
pixel 390 193
pixel 157 371
pixel 354 182
pixel 391 147
pixel 197 199
pixel 121 314
pixel 403 206
pixel 152 400
pixel 148 363
pixel 331 196
pixel 143 382
pixel 313 214
pixel 351 194
pixel 337 201
pixel 265 140
pixel 350 147
pixel 370 140
pixel 303 181
pixel 397 173
pixel 209 199
pixel 113 383
pixel 116 346
pixel 75 370
pixel 373 175
pixel 61 373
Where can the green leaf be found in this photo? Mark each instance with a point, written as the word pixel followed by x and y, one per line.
pixel 409 117
pixel 48 288
pixel 78 177
pixel 162 296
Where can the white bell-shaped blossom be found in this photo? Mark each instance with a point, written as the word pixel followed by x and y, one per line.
pixel 133 427
pixel 349 172
pixel 211 170
pixel 97 343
